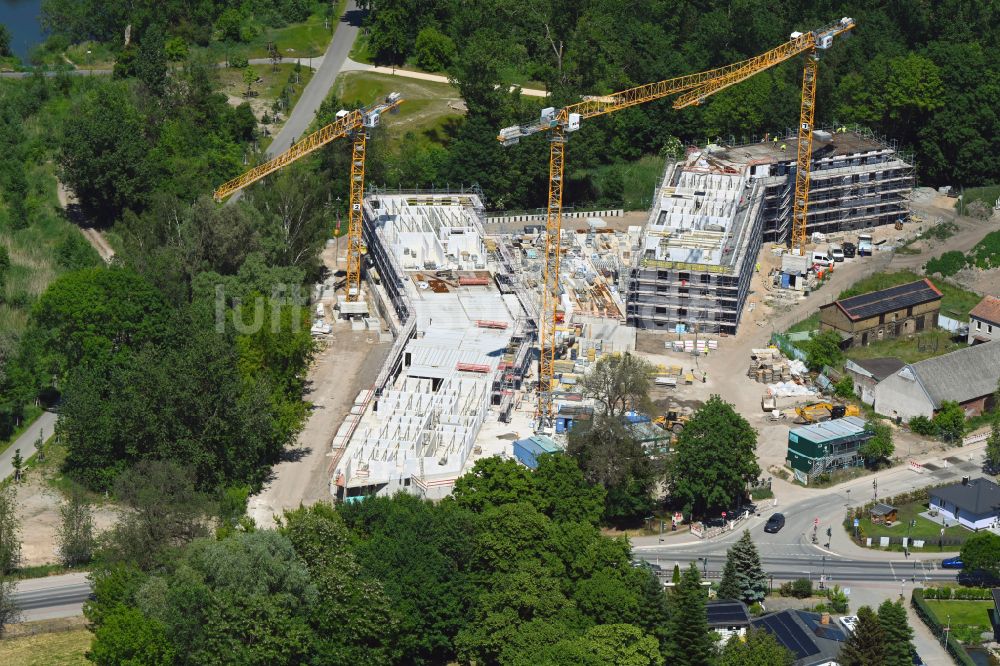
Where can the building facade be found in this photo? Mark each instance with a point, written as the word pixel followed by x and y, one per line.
pixel 825 447
pixel 967 376
pixel 984 321
pixel 973 503
pixel 888 313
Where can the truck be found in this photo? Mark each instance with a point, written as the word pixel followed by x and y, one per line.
pixel 864 245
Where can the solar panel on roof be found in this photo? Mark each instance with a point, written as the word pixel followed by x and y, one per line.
pixel 726 613
pixel 828 631
pixel 886 300
pixel 788 633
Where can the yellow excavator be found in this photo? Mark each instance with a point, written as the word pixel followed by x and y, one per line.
pixel 824 411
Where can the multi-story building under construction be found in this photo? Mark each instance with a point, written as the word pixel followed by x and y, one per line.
pixel 692 268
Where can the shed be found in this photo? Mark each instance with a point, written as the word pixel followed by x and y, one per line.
pixel 883 514
pixel 528 450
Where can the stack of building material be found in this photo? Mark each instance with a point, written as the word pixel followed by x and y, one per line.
pixel 768 366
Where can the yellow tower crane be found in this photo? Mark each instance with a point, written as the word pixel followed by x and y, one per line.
pixel 697 87
pixel 354 124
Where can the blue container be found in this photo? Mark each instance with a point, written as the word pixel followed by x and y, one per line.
pixel 560 425
pixel 785 280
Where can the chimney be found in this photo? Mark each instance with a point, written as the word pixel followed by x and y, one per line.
pixel 824 618
pixel 965 480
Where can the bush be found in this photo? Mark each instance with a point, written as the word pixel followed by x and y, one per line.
pixel 922 425
pixel 761 494
pixel 756 609
pixel 947 264
pixel 435 51
pixel 801 588
pixel 845 387
pixel 238 61
pixel 837 599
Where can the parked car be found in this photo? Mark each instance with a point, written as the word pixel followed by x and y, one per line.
pixel 836 252
pixel 715 522
pixel 775 523
pixel 849 622
pixel 952 563
pixel 978 578
pixel 850 250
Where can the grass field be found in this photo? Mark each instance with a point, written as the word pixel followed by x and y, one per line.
pixel 65 648
pixel 925 529
pixel 425 109
pixel 271 84
pixel 810 323
pixel 926 344
pixel 954 299
pixel 967 619
pixel 988 195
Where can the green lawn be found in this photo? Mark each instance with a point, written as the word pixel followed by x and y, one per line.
pixel 270 86
pixel 64 648
pixel 307 39
pixel 922 345
pixel 425 109
pixel 967 618
pixel 955 301
pixel 925 529
pixel 810 323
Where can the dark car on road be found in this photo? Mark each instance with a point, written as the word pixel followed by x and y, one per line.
pixel 978 578
pixel 775 523
pixel 952 563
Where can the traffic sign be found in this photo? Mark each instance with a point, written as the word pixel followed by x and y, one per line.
pixel 856 522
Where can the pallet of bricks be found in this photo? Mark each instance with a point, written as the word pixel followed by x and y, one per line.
pixel 768 366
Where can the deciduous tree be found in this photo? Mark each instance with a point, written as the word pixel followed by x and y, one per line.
pixel 950 421
pixel 619 383
pixel 981 551
pixel 76 529
pixel 879 447
pixel 10 530
pixel 715 459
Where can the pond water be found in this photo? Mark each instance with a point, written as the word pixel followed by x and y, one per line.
pixel 22 20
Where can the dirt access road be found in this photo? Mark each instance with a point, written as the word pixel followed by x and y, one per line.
pixel 348 364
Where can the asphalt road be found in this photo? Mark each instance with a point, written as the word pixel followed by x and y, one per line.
pixel 319 86
pixel 43 426
pixel 52 597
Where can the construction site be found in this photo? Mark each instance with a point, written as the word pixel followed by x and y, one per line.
pixel 466 308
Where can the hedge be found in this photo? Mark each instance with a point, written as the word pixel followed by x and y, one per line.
pixel 954 647
pixel 952 592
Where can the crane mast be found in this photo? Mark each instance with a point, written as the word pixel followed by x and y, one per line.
pixel 354 124
pixel 693 90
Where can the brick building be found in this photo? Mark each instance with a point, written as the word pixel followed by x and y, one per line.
pixel 887 313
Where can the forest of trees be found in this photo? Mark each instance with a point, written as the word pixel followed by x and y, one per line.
pixel 156 356
pixel 917 72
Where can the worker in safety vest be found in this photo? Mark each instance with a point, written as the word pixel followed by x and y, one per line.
pixel 784 147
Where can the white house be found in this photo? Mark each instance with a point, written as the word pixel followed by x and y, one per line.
pixel 984 321
pixel 973 503
pixel 968 376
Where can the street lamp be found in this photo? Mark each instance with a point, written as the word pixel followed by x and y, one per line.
pixel 770 586
pixel 705 566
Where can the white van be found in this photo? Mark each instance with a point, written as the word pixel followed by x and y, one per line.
pixel 821 259
pixel 836 252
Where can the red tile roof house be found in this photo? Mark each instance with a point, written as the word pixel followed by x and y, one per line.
pixel 984 321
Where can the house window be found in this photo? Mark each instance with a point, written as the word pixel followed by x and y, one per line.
pixel 979 325
pixel 989 329
pixel 920 323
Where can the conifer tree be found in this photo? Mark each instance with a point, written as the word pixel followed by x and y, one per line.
pixel 689 641
pixel 866 646
pixel 898 634
pixel 743 577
